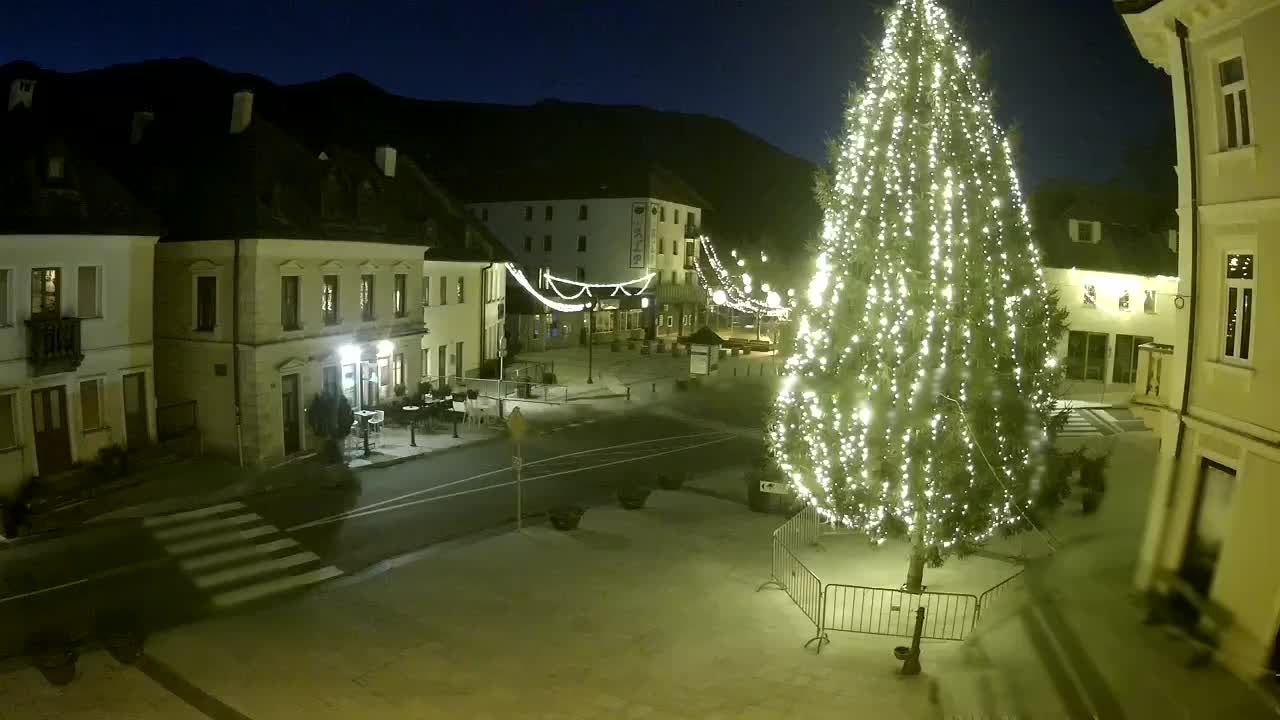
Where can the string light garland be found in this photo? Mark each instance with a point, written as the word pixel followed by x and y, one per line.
pixel 523 281
pixel 736 292
pixel 917 399
pixel 628 288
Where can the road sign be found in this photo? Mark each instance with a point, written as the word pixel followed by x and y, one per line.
pixel 775 488
pixel 517 463
pixel 518 425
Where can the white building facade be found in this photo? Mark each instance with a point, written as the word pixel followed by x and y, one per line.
pixel 602 240
pixel 463 305
pixel 1212 518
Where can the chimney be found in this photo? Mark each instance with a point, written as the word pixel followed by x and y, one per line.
pixel 20 93
pixel 241 111
pixel 141 119
pixel 386 159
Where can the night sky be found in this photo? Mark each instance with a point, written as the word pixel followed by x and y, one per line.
pixel 1065 73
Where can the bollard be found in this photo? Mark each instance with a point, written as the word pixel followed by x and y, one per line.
pixel 735 372
pixel 628 393
pixel 911 663
pixel 455 425
pixel 654 387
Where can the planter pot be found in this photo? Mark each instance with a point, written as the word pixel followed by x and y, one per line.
pixel 632 499
pixel 566 518
pixel 671 480
pixel 1090 501
pixel 902 652
pixel 121 635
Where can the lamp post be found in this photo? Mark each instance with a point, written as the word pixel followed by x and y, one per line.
pixel 591 314
pixel 502 356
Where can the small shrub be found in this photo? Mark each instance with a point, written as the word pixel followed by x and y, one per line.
pixel 330 416
pixel 566 517
pixel 632 496
pixel 672 480
pixel 424 390
pixel 398 390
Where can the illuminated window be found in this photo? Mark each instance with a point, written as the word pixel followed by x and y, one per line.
pixel 1238 324
pixel 366 298
pixel 1123 305
pixel 329 300
pixel 1149 302
pixel 1090 295
pixel 401 292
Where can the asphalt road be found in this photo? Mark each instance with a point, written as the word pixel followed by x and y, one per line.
pixel 175 569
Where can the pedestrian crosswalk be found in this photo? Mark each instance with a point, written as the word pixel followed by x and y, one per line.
pixel 234 556
pixel 1085 422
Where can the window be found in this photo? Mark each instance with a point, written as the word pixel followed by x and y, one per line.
pixel 1087 232
pixel 1086 355
pixel 426 362
pixel 206 303
pixel 548 213
pixel 400 301
pixel 6 302
pixel 1238 327
pixel 8 422
pixel 444 289
pixel 366 298
pixel 1090 295
pixel 46 292
pixel 1123 303
pixel 582 274
pixel 675 247
pixel 329 300
pixel 461 292
pixel 56 168
pixel 426 291
pixel 1235 102
pixel 528 243
pixel 88 292
pixel 91 405
pixel 673 278
pixel 582 243
pixel 397 369
pixel 688 254
pixel 484 214
pixel 329 379
pixel 1149 302
pixel 289 319
pixel 675 218
pixel 582 212
pixel 692 219
pixel 546 243
pixel 528 213
pixel 662 246
pixel 662 213
pixel 1211 525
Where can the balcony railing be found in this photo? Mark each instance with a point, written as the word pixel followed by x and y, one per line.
pixel 53 344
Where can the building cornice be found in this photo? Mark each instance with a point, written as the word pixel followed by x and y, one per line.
pixel 1240 211
pixel 1152 22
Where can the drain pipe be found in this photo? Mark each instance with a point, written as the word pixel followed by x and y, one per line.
pixel 1194 171
pixel 235 347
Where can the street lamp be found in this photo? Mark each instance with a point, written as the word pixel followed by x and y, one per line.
pixel 591 327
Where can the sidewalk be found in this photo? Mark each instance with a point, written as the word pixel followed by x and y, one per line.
pixel 655 614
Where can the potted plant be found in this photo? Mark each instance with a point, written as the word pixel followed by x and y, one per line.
pixel 424 390
pixel 121 635
pixel 1093 481
pixel 54 655
pixel 566 517
pixel 472 394
pixel 672 480
pixel 632 496
pixel 113 461
pixel 329 416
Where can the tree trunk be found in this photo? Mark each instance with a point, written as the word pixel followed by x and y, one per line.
pixel 915 571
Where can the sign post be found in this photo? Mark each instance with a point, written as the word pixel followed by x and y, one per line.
pixel 518 427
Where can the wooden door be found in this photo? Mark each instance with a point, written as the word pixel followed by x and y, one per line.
pixel 49 425
pixel 290 416
pixel 135 410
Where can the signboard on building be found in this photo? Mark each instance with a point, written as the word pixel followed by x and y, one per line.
pixel 639 234
pixel 652 224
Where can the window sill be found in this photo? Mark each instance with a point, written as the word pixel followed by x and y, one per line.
pixel 296 329
pixel 1244 371
pixel 1233 155
pixel 95 431
pixel 13 449
pixel 89 317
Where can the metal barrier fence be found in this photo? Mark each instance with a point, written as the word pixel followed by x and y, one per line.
pixel 880 611
pixel 514 389
pixel 869 610
pixel 990 598
pixel 175 419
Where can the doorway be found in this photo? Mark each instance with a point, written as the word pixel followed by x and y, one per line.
pixel 290 414
pixel 135 410
pixel 1209 526
pixel 1086 355
pixel 49 423
pixel 1126 362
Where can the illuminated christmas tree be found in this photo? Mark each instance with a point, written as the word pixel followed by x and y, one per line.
pixel 918 399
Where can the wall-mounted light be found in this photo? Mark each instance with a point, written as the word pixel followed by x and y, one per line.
pixel 349 354
pixel 385 348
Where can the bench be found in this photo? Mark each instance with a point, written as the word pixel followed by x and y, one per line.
pixel 1188 615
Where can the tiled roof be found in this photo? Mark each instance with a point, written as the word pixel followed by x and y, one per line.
pixel 613 178
pixel 1135 228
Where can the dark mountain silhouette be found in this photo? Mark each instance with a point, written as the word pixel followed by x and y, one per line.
pixel 758 195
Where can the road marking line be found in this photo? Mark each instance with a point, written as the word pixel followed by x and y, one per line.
pixel 240 553
pixel 205 526
pixel 226 538
pixel 451 483
pixel 162 520
pixel 244 572
pixel 272 587
pixel 41 591
pixel 375 510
